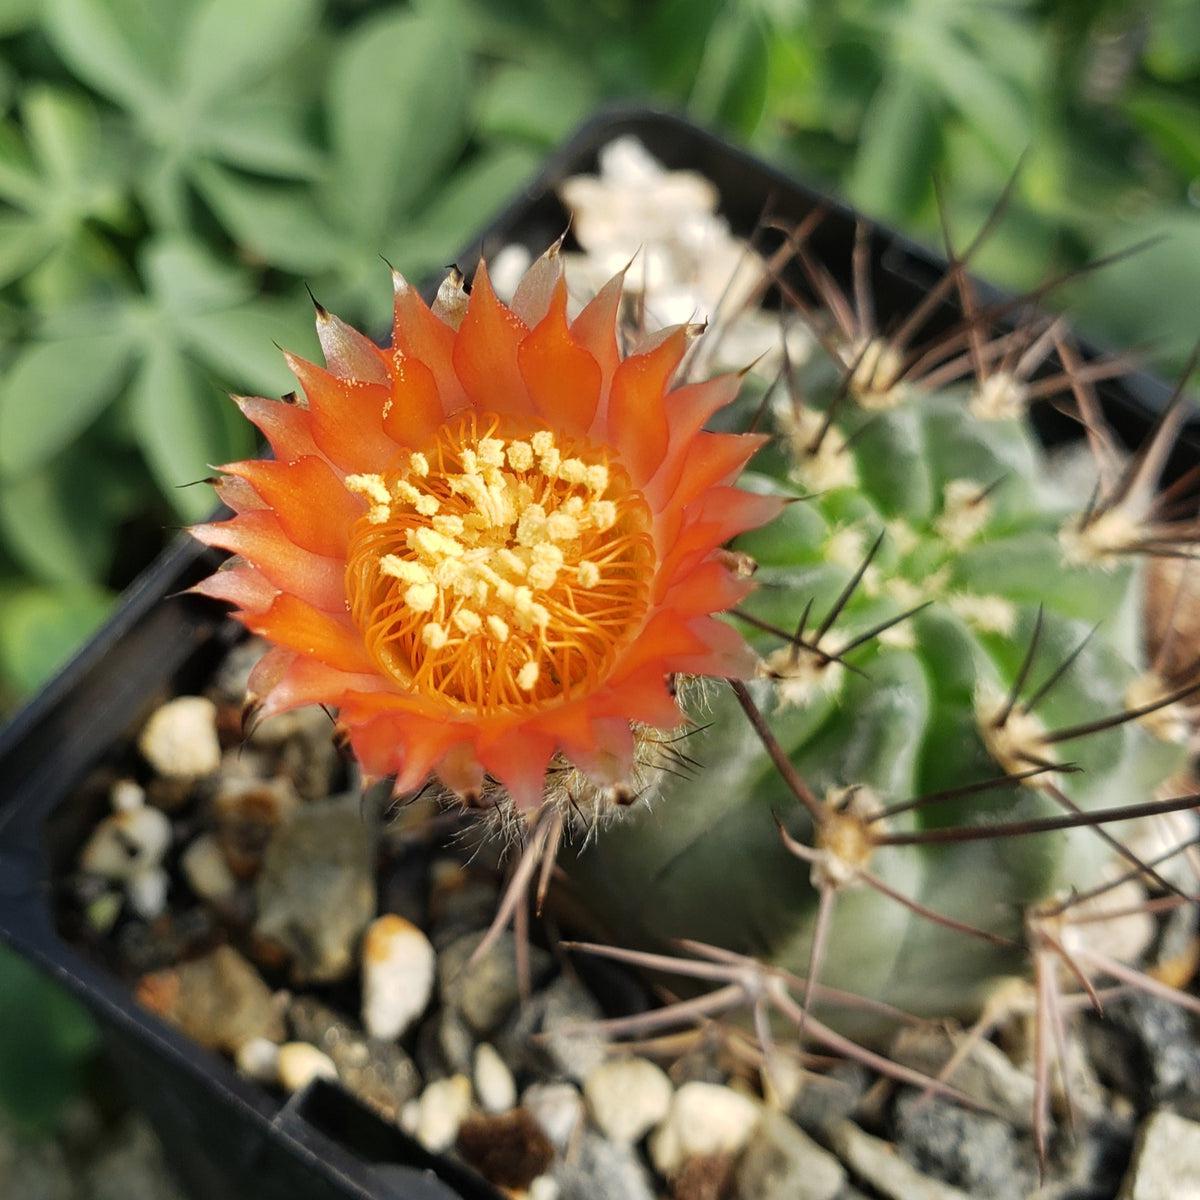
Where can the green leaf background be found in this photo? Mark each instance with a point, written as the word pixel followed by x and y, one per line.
pixel 172 172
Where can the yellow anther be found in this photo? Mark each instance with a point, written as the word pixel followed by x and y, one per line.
pixel 434 635
pixel 603 514
pixel 468 620
pixel 562 527
pixel 370 487
pixel 395 567
pixel 421 597
pixel 520 456
pixel 481 543
pixel 491 452
pixel 573 470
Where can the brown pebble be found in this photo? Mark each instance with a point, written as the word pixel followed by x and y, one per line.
pixel 706 1177
pixel 511 1149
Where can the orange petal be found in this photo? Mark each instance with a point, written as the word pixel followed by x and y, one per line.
pixel 259 538
pixel 688 410
pixel 643 696
pixel 312 504
pixel 535 291
pixel 726 653
pixel 709 588
pixel 285 426
pixel 238 495
pixel 244 587
pixel 485 352
pixel 420 335
pixel 563 379
pixel 415 413
pixel 637 414
pixel 346 418
pixel 595 329
pixel 518 759
pixel 348 353
pixel 664 639
pixel 332 640
pixel 306 681
pixel 609 759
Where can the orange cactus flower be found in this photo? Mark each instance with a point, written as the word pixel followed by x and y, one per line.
pixel 492 542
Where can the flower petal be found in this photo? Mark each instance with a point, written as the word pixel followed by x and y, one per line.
pixel 312 505
pixel 331 640
pixel 595 329
pixel 415 413
pixel 420 335
pixel 518 759
pixel 637 415
pixel 259 538
pixel 346 418
pixel 485 352
pixel 284 425
pixel 563 379
pixel 535 291
pixel 348 353
pixel 688 410
pixel 306 681
pixel 245 587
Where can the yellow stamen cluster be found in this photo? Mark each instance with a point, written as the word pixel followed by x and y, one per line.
pixel 499 572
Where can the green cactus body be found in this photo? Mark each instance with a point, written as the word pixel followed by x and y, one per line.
pixel 973 527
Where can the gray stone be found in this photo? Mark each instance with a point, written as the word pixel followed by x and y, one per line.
pixel 316 890
pixel 130 1168
pixel 484 992
pixel 1166 1160
pixel 1147 1049
pixel 875 1162
pixel 558 1108
pixel 986 1074
pixel 379 1073
pixel 781 1162
pixel 602 1170
pixel 827 1100
pixel 218 1000
pixel 975 1152
pixel 456 1043
pixel 572 1051
pixel 33 1170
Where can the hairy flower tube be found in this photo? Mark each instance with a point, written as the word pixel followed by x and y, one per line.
pixel 493 543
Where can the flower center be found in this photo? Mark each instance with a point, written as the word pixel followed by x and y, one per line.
pixel 501 573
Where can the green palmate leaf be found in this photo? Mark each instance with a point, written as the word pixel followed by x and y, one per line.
pixel 1173 50
pixel 542 101
pixel 17 15
pixel 261 133
pixel 39 628
pixel 731 82
pixel 1172 123
pixel 228 41
pixel 47 1040
pixel 898 149
pixel 122 48
pixel 184 278
pixel 24 242
pixel 59 522
pixel 176 414
pixel 398 104
pixel 52 391
pixel 466 202
pixel 242 344
pixel 277 223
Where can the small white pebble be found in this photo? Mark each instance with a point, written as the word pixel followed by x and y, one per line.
pixel 126 795
pixel 147 892
pixel 127 843
pixel 398 967
pixel 627 1097
pixel 705 1118
pixel 494 1083
pixel 258 1059
pixel 180 738
pixel 444 1105
pixel 557 1108
pixel 410 1115
pixel 299 1064
pixel 544 1187
pixel 206 870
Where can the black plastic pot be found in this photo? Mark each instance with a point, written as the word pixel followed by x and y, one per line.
pixel 225 1136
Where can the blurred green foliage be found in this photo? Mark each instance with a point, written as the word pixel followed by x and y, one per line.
pixel 171 171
